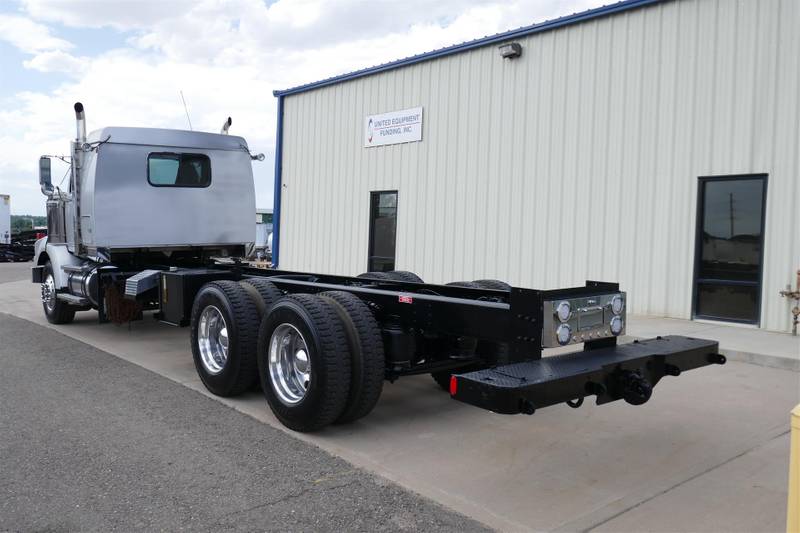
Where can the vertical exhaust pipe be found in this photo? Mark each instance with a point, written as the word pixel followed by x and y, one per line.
pixel 226 126
pixel 80 123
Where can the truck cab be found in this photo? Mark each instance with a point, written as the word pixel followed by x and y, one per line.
pixel 141 197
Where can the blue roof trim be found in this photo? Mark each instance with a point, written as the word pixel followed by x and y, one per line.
pixel 567 20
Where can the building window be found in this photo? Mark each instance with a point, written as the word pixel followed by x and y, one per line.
pixel 178 170
pixel 382 230
pixel 730 244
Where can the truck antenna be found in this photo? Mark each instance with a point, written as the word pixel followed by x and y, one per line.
pixel 186 110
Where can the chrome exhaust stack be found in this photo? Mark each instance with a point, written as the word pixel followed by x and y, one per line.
pixel 80 124
pixel 226 126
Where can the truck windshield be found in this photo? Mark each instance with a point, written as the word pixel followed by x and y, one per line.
pixel 178 170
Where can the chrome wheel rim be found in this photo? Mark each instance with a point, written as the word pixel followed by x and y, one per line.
pixel 212 339
pixel 49 293
pixel 289 364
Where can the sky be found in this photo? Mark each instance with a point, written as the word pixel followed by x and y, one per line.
pixel 128 61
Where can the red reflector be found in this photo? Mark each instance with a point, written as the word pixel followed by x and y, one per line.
pixel 453 385
pixel 405 299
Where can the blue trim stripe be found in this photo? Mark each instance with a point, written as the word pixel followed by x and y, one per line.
pixel 276 196
pixel 567 20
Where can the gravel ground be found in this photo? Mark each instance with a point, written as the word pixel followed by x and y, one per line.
pixel 91 442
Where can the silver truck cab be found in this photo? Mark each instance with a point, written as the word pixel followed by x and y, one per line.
pixel 139 197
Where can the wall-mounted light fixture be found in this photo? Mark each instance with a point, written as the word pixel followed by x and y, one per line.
pixel 510 50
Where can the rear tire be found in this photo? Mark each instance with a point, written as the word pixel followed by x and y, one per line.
pixel 404 275
pixel 57 311
pixel 264 293
pixel 368 366
pixel 324 349
pixel 375 275
pixel 226 362
pixel 467 284
pixel 493 284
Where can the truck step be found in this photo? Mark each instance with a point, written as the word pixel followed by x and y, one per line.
pixel 73 300
pixel 141 282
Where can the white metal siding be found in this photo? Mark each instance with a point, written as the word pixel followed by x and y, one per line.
pixel 577 161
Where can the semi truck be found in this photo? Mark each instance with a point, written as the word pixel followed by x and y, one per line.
pixel 157 221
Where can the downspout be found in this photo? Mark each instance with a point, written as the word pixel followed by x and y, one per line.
pixel 276 205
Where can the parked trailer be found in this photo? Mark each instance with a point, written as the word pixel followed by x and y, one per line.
pixel 321 346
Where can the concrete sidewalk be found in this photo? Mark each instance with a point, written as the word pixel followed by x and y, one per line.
pixel 739 343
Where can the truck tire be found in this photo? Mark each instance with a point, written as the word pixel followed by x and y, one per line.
pixel 224 333
pixel 467 284
pixel 263 292
pixel 375 275
pixel 304 362
pixel 57 311
pixel 493 284
pixel 404 275
pixel 368 365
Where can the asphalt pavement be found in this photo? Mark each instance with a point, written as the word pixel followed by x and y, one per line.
pixel 89 441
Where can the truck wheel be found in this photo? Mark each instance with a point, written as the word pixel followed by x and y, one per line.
pixel 494 284
pixel 404 275
pixel 264 293
pixel 304 362
pixel 368 366
pixel 56 311
pixel 224 331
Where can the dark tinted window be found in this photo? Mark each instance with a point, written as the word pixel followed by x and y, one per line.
pixel 383 231
pixel 729 248
pixel 178 170
pixel 731 233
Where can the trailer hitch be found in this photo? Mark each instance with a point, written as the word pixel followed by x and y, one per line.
pixel 633 386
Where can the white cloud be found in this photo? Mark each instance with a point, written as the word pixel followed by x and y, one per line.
pixel 29 36
pixel 57 61
pixel 119 14
pixel 226 57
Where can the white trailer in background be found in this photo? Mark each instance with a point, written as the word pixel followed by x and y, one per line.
pixel 5 219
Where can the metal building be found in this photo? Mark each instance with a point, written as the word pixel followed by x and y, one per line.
pixel 653 142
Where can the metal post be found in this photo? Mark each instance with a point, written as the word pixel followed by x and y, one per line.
pixel 793 505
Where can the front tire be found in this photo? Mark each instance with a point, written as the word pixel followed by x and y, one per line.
pixel 56 311
pixel 224 333
pixel 304 362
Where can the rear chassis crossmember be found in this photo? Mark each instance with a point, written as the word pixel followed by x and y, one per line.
pixel 628 371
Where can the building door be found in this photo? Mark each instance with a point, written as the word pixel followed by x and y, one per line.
pixel 382 231
pixel 730 245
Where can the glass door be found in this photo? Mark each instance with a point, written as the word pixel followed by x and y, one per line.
pixel 382 231
pixel 730 244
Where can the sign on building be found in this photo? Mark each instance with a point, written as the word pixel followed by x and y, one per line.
pixel 395 127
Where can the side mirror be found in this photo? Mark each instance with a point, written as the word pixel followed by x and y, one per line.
pixel 45 181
